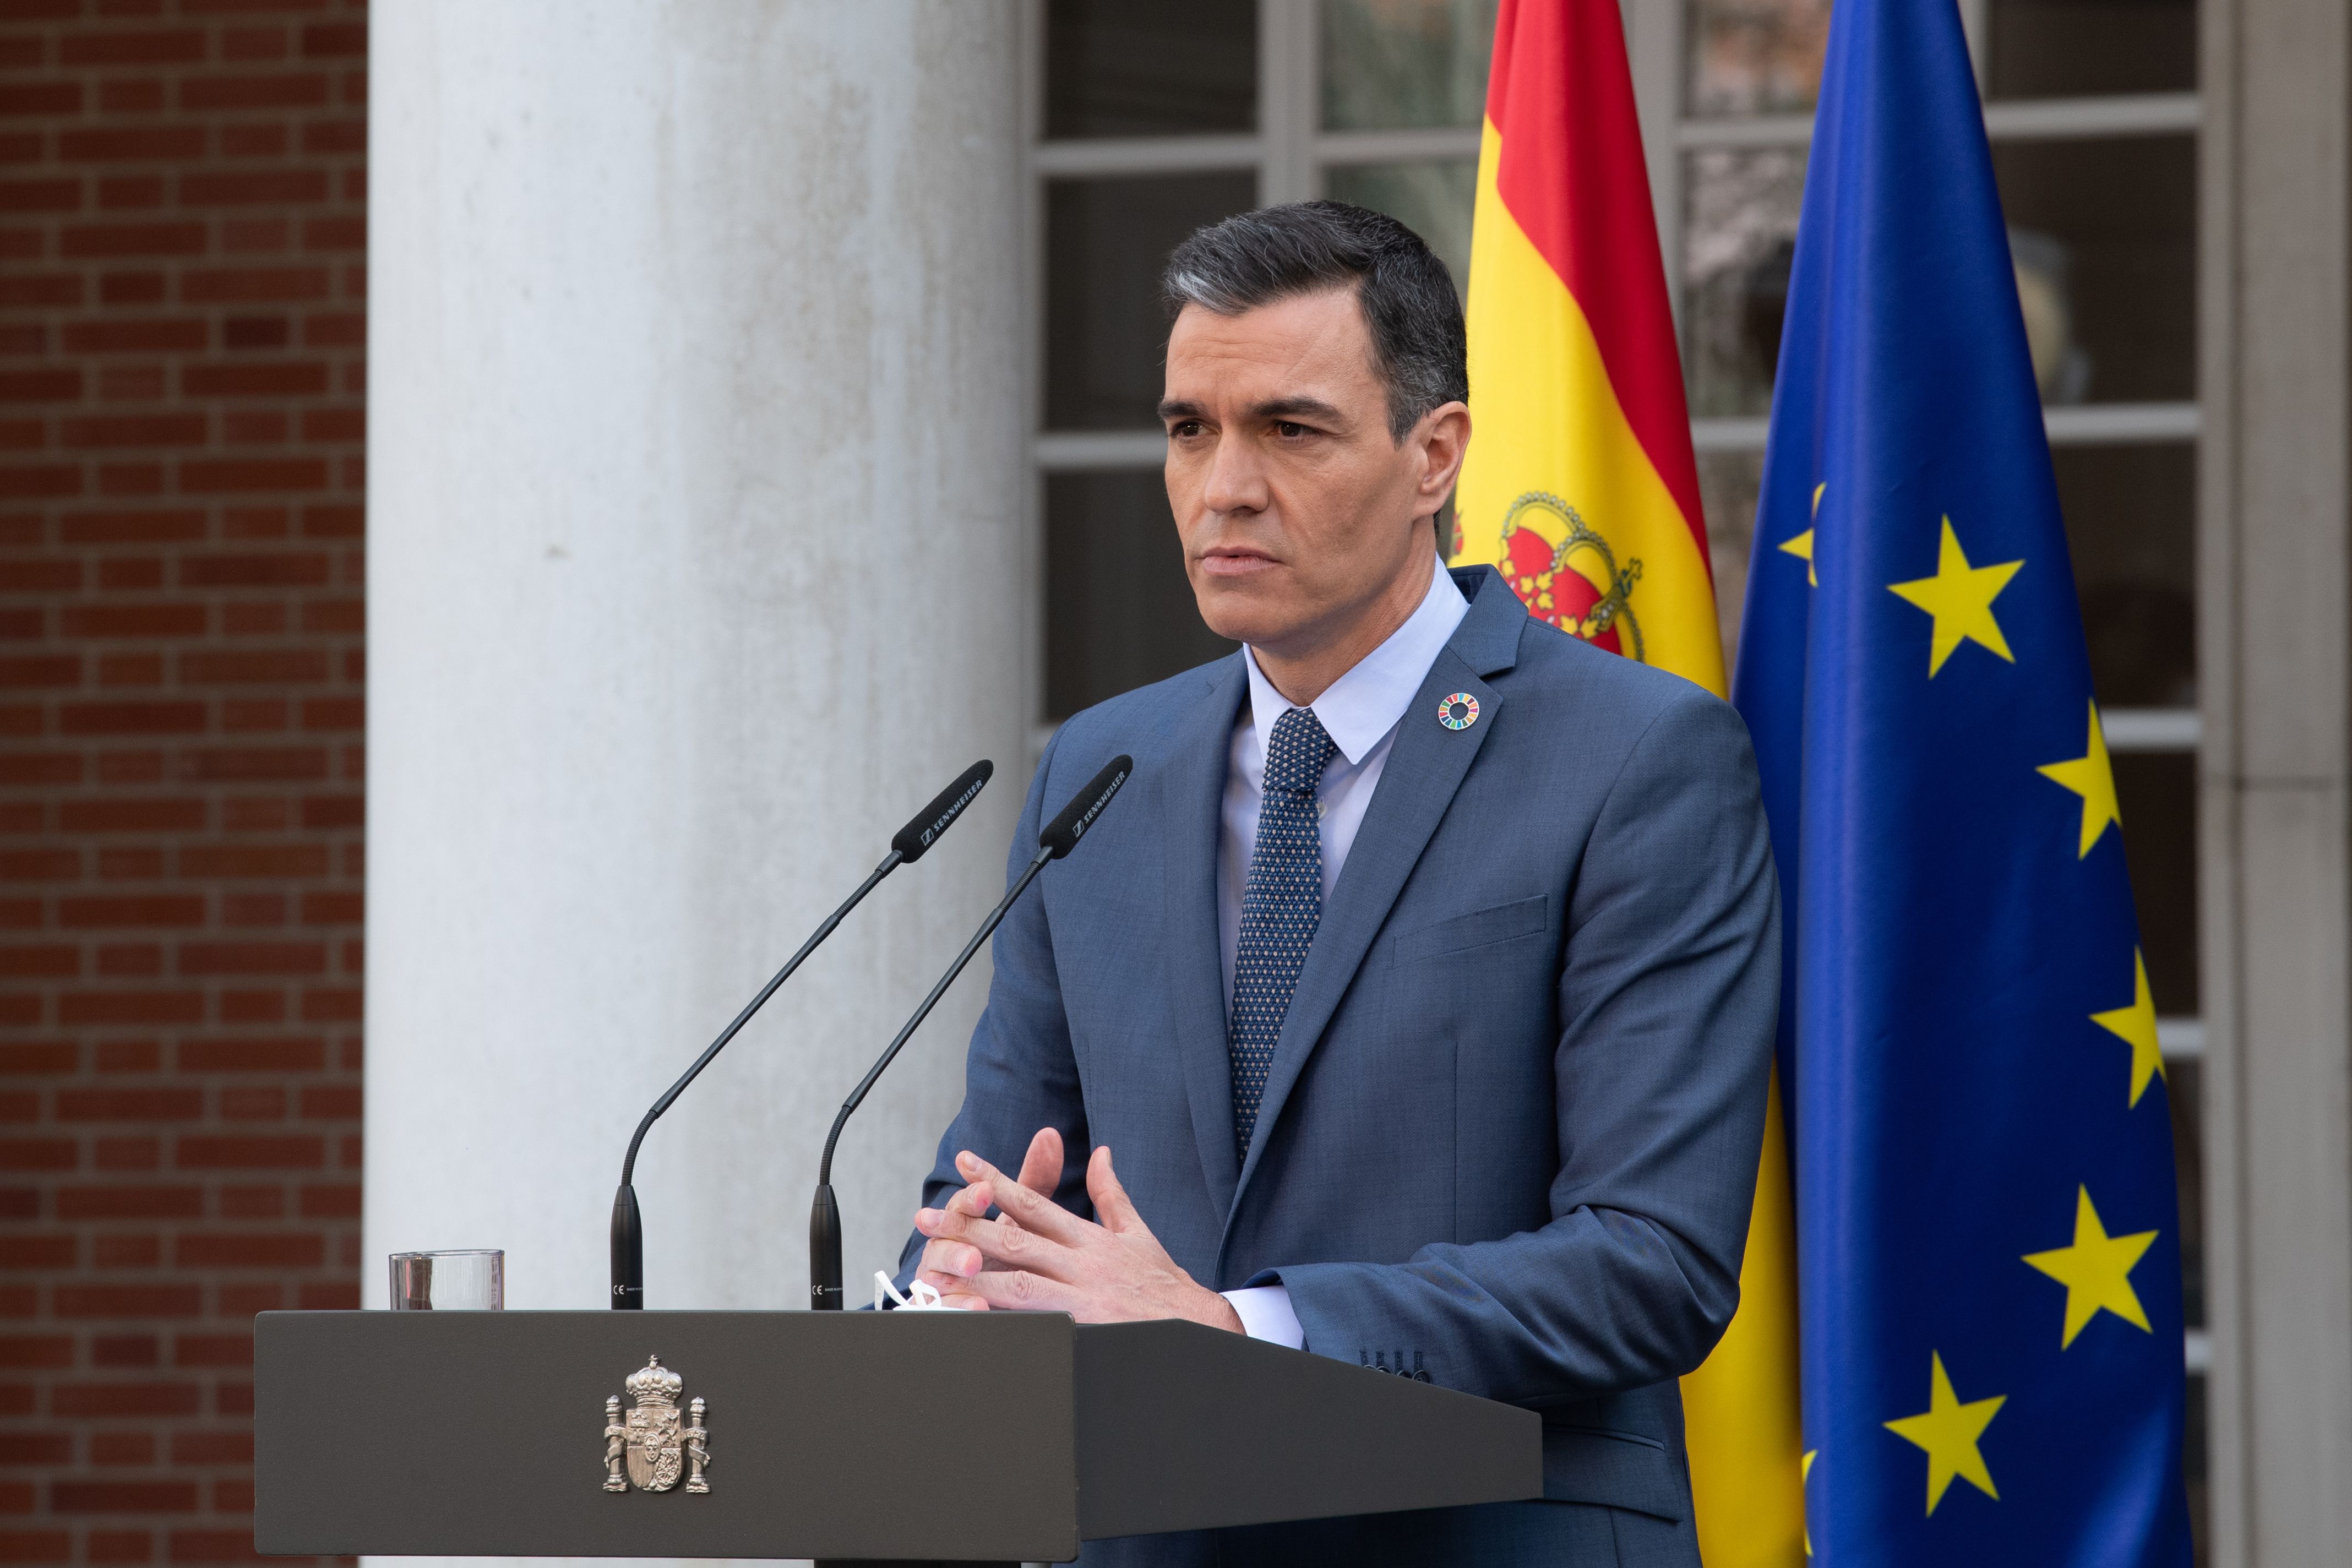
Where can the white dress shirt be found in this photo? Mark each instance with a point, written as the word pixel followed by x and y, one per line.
pixel 1361 712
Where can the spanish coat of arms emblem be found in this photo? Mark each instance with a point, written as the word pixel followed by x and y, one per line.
pixel 1567 576
pixel 651 1442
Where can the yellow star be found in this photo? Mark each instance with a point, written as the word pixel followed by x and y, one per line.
pixel 2135 1026
pixel 1961 598
pixel 1804 1479
pixel 2093 777
pixel 2096 1270
pixel 1948 1430
pixel 1801 546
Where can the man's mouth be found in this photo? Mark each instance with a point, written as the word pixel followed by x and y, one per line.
pixel 1235 562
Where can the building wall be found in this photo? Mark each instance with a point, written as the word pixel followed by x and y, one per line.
pixel 182 236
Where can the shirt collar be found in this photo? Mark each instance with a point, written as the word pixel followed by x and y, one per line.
pixel 1365 704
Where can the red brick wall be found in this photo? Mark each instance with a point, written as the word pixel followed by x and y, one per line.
pixel 182 211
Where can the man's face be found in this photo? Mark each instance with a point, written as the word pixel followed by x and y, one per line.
pixel 1297 512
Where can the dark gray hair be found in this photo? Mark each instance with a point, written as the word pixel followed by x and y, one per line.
pixel 1411 311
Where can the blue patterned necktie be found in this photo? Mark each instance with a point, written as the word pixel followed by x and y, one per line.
pixel 1280 907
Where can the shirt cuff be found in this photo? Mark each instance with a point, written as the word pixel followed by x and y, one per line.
pixel 1266 1314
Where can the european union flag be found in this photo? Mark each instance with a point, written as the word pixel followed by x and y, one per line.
pixel 1988 1225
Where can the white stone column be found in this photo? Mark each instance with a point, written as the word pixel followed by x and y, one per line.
pixel 700 559
pixel 2275 650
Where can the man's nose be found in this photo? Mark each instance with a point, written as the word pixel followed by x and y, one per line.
pixel 1236 481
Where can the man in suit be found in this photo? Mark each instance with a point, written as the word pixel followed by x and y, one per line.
pixel 1425 980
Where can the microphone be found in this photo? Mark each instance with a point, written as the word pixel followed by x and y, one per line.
pixel 909 845
pixel 1060 837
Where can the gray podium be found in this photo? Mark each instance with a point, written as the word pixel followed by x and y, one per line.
pixel 935 1435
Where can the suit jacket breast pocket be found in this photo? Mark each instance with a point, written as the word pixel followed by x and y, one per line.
pixel 1513 921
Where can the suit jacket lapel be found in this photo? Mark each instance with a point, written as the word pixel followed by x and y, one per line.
pixel 1426 765
pixel 1193 785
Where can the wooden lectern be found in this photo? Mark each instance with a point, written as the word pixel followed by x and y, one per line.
pixel 996 1436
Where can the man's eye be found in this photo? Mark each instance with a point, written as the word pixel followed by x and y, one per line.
pixel 1184 429
pixel 1288 430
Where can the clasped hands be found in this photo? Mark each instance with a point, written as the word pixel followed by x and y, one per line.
pixel 1040 1257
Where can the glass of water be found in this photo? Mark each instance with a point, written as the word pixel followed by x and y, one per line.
pixel 472 1281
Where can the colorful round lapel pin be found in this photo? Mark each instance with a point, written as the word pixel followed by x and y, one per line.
pixel 1458 711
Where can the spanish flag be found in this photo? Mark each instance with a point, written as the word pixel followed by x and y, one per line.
pixel 1581 489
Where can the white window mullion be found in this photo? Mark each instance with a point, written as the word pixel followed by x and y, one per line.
pixel 1409 144
pixel 2152 729
pixel 2080 425
pixel 1290 103
pixel 2124 114
pixel 1098 451
pixel 1032 68
pixel 1119 155
pixel 1654 46
pixel 2181 1039
pixel 2040 119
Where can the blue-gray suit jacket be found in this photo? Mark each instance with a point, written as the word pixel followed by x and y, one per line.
pixel 1510 1137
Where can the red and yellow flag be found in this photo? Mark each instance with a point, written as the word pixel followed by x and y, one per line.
pixel 1580 488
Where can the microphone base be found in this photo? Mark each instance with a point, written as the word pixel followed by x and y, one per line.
pixel 628 1252
pixel 824 1251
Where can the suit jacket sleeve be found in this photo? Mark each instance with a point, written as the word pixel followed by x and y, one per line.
pixel 1019 1074
pixel 1668 997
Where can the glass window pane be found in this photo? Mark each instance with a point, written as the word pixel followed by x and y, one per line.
pixel 1117 69
pixel 2130 527
pixel 2156 792
pixel 1728 484
pixel 2192 1465
pixel 1106 241
pixel 2076 49
pixel 1754 57
pixel 2102 234
pixel 1119 610
pixel 2185 1086
pixel 2105 232
pixel 1740 228
pixel 1405 62
pixel 1434 200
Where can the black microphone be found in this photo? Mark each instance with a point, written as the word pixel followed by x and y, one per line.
pixel 907 846
pixel 1061 835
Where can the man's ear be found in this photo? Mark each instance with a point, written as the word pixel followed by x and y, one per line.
pixel 1443 437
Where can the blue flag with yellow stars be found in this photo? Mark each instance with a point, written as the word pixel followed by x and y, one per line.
pixel 1988 1226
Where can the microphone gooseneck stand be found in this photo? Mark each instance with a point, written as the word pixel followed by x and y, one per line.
pixel 907 846
pixel 824 1213
pixel 1060 837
